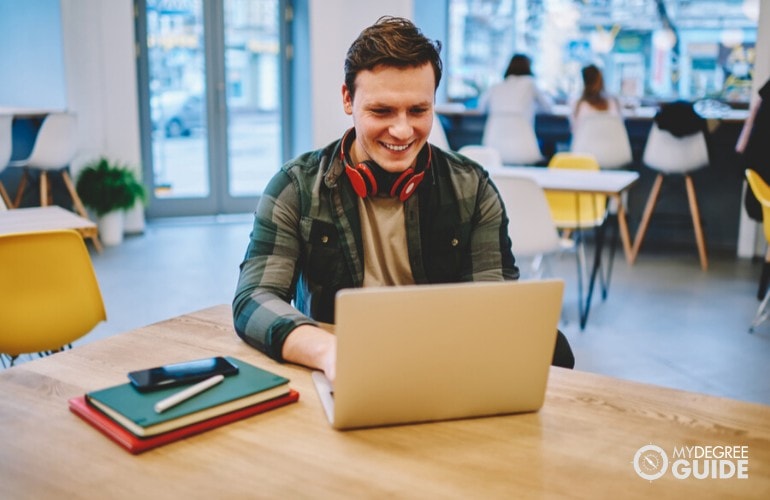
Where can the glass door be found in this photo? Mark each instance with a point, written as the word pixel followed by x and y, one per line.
pixel 211 75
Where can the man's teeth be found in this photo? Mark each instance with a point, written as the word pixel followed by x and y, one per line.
pixel 396 148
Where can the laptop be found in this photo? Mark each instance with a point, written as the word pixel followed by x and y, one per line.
pixel 437 352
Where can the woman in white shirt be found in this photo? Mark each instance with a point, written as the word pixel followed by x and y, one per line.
pixel 511 106
pixel 594 98
pixel 517 93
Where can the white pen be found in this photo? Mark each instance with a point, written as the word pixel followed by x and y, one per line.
pixel 185 394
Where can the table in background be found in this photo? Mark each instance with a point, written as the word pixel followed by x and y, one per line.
pixel 580 444
pixel 612 183
pixel 48 218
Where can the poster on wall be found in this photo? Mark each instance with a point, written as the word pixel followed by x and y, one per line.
pixel 737 64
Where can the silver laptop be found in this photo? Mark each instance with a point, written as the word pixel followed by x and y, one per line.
pixel 437 352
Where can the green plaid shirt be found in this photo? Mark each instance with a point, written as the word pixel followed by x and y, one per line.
pixel 306 242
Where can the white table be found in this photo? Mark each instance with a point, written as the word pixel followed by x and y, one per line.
pixel 611 183
pixel 47 219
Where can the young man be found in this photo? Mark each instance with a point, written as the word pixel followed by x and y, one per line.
pixel 378 207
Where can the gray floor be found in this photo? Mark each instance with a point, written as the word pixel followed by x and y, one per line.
pixel 665 321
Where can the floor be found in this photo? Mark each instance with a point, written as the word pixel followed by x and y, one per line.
pixel 664 321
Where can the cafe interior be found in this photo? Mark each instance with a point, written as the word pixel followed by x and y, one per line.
pixel 203 101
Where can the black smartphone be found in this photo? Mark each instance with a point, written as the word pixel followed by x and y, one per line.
pixel 186 372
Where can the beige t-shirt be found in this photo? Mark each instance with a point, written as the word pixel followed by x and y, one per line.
pixel 386 257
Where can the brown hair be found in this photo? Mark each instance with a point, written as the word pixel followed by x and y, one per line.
pixel 593 87
pixel 519 65
pixel 391 41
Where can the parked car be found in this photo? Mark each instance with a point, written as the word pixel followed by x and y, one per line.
pixel 177 113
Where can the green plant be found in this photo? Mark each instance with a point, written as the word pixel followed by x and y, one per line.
pixel 105 186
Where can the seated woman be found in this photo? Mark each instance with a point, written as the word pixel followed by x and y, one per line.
pixel 594 98
pixel 517 93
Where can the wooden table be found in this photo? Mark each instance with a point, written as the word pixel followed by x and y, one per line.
pixel 46 219
pixel 612 183
pixel 581 444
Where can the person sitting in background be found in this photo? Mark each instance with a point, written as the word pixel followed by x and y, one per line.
pixel 594 98
pixel 517 93
pixel 754 146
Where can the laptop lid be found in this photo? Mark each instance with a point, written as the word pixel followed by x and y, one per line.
pixel 436 352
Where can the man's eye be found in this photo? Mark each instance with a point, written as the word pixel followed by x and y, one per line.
pixel 419 111
pixel 380 111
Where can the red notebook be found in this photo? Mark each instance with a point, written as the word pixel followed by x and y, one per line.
pixel 136 445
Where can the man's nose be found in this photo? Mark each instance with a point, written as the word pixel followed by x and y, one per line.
pixel 401 128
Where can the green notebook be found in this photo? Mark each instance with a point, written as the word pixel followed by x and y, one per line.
pixel 135 411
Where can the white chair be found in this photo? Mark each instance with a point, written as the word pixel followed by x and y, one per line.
pixel 55 147
pixel 6 146
pixel 670 155
pixel 604 136
pixel 533 234
pixel 513 135
pixel 485 156
pixel 437 135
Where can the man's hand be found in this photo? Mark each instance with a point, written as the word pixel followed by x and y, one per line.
pixel 313 347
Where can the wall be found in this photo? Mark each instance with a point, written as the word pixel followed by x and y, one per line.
pixel 337 23
pixel 33 74
pixel 100 74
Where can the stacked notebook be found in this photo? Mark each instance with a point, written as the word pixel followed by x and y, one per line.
pixel 128 417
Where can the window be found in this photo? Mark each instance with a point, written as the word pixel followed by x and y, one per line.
pixel 663 49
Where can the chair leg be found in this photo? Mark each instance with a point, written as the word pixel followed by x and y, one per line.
pixel 20 189
pixel 4 195
pixel 704 262
pixel 764 278
pixel 43 188
pixel 648 209
pixel 761 314
pixel 74 194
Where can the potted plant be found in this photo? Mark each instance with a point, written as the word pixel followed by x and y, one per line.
pixel 109 189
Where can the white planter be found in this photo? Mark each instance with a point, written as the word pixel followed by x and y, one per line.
pixel 111 227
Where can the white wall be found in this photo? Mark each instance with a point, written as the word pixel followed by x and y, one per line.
pixel 334 24
pixel 100 74
pixel 31 59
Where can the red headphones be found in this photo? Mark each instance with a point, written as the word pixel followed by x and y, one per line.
pixel 368 178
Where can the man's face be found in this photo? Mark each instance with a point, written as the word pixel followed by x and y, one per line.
pixel 392 113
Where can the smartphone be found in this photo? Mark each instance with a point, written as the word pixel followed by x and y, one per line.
pixel 175 374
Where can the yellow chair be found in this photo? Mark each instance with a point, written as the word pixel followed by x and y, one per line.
pixel 571 210
pixel 573 213
pixel 49 295
pixel 762 191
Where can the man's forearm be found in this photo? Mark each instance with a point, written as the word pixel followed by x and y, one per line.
pixel 313 347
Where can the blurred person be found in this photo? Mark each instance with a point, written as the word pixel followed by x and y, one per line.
pixel 518 93
pixel 594 98
pixel 754 146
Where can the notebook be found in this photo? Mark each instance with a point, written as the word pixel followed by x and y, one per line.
pixel 437 352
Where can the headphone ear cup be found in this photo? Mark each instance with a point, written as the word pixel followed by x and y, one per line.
pixel 401 181
pixel 362 180
pixel 410 186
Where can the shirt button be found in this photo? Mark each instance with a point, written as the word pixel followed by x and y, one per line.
pixel 454 242
pixel 324 239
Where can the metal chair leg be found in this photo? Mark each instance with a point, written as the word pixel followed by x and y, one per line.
pixel 761 315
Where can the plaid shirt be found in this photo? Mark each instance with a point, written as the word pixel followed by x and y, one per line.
pixel 306 243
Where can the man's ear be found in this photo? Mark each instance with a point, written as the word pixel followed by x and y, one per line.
pixel 347 100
